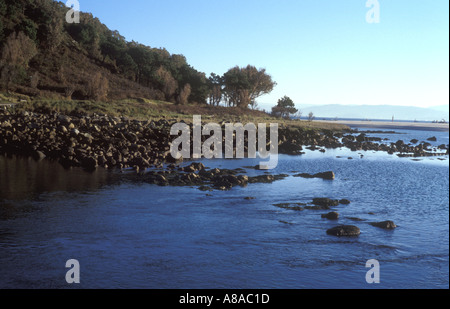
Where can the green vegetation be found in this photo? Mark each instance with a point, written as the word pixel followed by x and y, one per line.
pixel 285 108
pixel 41 55
pixel 87 60
pixel 47 64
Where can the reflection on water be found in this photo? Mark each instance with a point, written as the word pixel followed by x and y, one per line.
pixel 25 178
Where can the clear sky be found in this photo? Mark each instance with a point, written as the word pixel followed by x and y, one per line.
pixel 318 51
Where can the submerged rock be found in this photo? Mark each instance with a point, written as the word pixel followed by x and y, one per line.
pixel 331 216
pixel 388 225
pixel 290 206
pixel 344 230
pixel 325 175
pixel 317 207
pixel 325 202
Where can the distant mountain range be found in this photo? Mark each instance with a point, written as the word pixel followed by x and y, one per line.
pixel 377 112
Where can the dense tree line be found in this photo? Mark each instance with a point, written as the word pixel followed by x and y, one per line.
pixel 239 87
pixel 31 31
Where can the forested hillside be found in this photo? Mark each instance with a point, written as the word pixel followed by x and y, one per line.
pixel 43 55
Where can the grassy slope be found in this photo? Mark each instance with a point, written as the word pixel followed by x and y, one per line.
pixel 144 109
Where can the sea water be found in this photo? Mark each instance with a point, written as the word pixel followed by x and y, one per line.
pixel 129 234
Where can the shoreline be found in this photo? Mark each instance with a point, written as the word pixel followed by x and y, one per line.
pixel 117 142
pixel 441 127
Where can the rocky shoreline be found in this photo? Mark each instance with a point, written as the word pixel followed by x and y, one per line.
pixel 89 142
pixel 102 141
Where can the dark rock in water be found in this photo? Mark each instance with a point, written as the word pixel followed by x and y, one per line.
pixel 262 178
pixel 361 137
pixel 325 175
pixel 248 198
pixel 331 216
pixel 317 207
pixel 205 188
pixel 388 225
pixel 414 141
pixel 194 167
pixel 432 139
pixel 344 202
pixel 285 222
pixel 344 230
pixel 399 143
pixel 290 148
pixel 297 206
pixel 355 219
pixel 325 202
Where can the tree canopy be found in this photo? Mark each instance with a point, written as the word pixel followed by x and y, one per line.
pixel 64 58
pixel 242 86
pixel 285 108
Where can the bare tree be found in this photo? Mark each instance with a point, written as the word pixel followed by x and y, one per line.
pixel 169 84
pixel 311 116
pixel 184 95
pixel 34 80
pixel 98 87
pixel 17 51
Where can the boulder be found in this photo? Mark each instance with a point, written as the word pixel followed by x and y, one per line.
pixel 344 202
pixel 204 188
pixel 325 202
pixel 290 206
pixel 326 175
pixel 262 178
pixel 344 230
pixel 388 225
pixel 331 216
pixel 432 139
pixel 290 148
pixel 317 207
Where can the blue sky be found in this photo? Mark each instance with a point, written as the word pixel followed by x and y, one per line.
pixel 318 51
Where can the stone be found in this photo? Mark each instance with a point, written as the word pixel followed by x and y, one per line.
pixel 325 202
pixel 331 216
pixel 344 231
pixel 290 206
pixel 387 225
pixel 325 175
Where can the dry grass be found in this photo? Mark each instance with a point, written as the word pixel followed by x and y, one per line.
pixel 144 109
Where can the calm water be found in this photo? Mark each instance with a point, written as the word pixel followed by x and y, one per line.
pixel 128 234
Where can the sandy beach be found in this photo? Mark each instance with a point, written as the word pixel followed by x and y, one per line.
pixel 395 125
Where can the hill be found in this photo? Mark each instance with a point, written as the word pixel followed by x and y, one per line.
pixel 442 108
pixel 41 55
